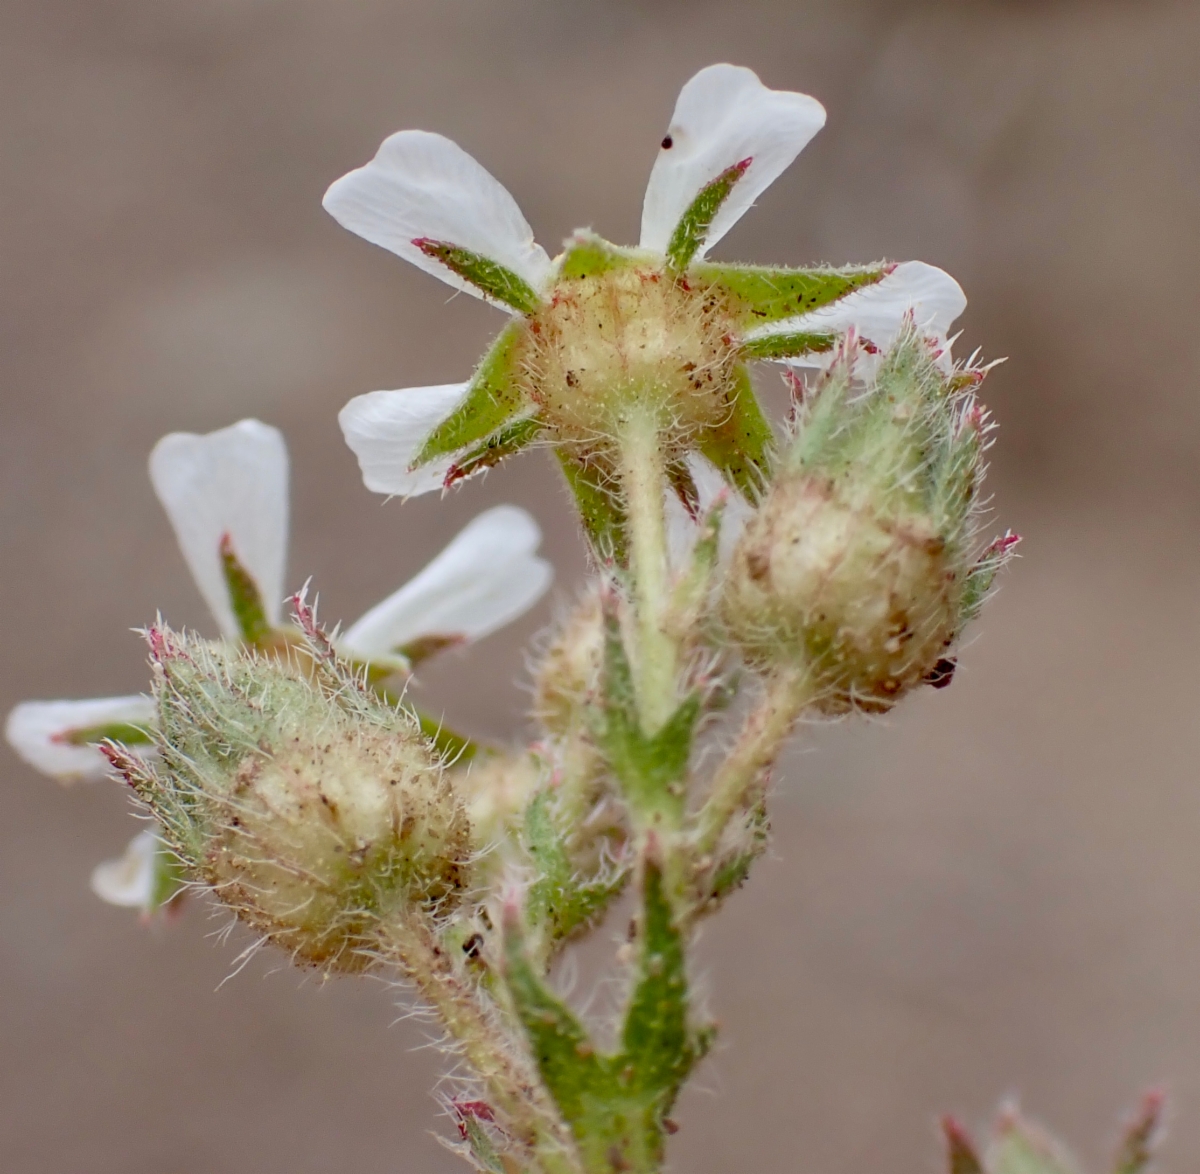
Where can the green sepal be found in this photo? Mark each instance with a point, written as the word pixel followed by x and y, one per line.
pixel 481 1145
pixel 455 748
pixel 560 902
pixel 650 768
pixel 681 481
pixel 961 1157
pixel 730 872
pixel 501 444
pixel 789 345
pixel 170 876
pixel 741 446
pixel 494 396
pixel 692 230
pixel 658 1047
pixel 418 651
pixel 124 732
pixel 486 275
pixel 1139 1141
pixel 982 576
pixel 599 508
pixel 759 295
pixel 588 255
pixel 1022 1148
pixel 244 597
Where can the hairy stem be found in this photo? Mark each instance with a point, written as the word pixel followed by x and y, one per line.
pixel 499 1058
pixel 655 659
pixel 742 774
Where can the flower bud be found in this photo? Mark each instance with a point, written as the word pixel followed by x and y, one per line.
pixel 310 807
pixel 858 564
pixel 568 676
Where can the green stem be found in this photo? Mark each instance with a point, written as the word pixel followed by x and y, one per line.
pixel 742 773
pixel 498 1057
pixel 655 659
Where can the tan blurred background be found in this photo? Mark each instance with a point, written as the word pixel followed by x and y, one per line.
pixel 996 891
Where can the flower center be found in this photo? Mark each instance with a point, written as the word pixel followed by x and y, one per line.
pixel 631 335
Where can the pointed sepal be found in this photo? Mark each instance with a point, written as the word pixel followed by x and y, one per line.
pixel 489 277
pixel 245 598
pixel 600 511
pixel 741 446
pixel 493 398
pixel 1141 1136
pixel 691 232
pixel 760 295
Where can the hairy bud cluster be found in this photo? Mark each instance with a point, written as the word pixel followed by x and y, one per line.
pixel 314 810
pixel 858 564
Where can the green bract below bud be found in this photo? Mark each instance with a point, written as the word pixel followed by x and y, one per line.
pixel 859 564
pixel 314 810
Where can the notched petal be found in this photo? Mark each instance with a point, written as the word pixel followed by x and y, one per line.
pixel 421 187
pixel 724 116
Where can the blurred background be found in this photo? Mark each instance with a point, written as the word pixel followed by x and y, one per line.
pixel 995 892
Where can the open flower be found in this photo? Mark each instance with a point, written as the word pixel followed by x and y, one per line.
pixel 601 331
pixel 226 494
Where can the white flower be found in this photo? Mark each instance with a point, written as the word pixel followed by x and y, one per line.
pixel 423 198
pixel 226 494
pixel 58 737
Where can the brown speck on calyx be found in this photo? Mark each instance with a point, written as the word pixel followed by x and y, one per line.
pixel 668 143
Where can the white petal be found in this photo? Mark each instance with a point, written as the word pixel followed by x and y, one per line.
pixel 129 881
pixel 387 429
pixel 37 731
pixel 682 529
pixel 877 312
pixel 723 117
pixel 485 578
pixel 423 186
pixel 233 482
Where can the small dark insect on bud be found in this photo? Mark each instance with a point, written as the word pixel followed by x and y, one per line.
pixel 859 564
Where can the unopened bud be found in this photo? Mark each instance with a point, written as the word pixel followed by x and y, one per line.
pixel 858 565
pixel 314 810
pixel 568 676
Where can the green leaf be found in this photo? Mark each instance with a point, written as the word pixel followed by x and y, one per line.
pixel 650 768
pixel 484 274
pixel 124 732
pixel 741 446
pixel 600 510
pixel 244 597
pixel 169 877
pixel 760 294
pixel 588 255
pixel 692 230
pixel 504 443
pixel 493 398
pixel 560 902
pixel 657 1045
pixel 787 346
pixel 566 1057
